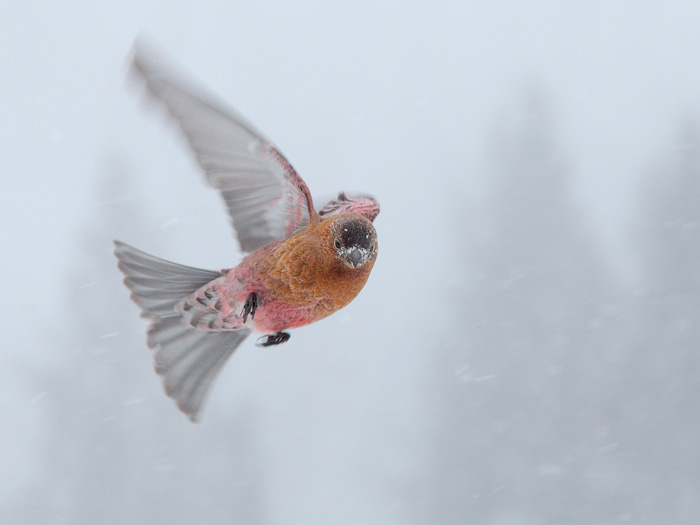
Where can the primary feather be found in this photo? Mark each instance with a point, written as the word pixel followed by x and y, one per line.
pixel 265 197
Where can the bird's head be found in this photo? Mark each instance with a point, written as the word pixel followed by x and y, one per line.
pixel 354 240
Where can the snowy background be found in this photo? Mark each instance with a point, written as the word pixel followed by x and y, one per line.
pixel 526 349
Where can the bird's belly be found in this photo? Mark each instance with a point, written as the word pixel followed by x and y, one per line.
pixel 276 315
pixel 292 289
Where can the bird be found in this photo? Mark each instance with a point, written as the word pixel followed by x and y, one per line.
pixel 300 265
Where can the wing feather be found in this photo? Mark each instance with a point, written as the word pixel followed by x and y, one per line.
pixel 266 198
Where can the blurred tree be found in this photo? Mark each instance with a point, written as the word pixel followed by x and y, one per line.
pixel 111 455
pixel 519 416
pixel 662 363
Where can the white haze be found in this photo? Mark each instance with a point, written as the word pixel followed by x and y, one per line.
pixel 526 349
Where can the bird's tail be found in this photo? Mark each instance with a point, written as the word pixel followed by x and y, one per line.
pixel 188 359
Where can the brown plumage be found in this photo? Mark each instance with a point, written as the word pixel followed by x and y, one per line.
pixel 306 268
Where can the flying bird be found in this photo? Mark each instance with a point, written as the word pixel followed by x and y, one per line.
pixel 301 265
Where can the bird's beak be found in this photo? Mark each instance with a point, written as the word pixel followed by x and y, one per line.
pixel 355 256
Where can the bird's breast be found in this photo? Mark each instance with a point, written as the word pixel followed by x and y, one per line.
pixel 298 282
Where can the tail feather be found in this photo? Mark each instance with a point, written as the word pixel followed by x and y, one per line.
pixel 156 284
pixel 188 359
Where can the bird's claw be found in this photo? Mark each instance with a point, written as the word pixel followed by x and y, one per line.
pixel 251 304
pixel 273 339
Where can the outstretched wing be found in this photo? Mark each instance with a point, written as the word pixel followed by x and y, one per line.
pixel 266 198
pixel 364 205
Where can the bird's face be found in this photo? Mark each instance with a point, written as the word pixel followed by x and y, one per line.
pixel 354 240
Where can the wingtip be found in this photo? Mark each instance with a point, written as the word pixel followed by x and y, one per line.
pixel 142 50
pixel 140 44
pixel 145 61
pixel 135 58
pixel 121 248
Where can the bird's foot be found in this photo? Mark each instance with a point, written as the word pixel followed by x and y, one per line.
pixel 251 304
pixel 273 339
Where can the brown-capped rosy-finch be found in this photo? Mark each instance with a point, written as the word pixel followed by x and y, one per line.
pixel 302 265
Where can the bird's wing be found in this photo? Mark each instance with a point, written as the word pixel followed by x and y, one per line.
pixel 364 205
pixel 266 198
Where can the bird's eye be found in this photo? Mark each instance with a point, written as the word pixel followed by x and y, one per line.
pixel 337 244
